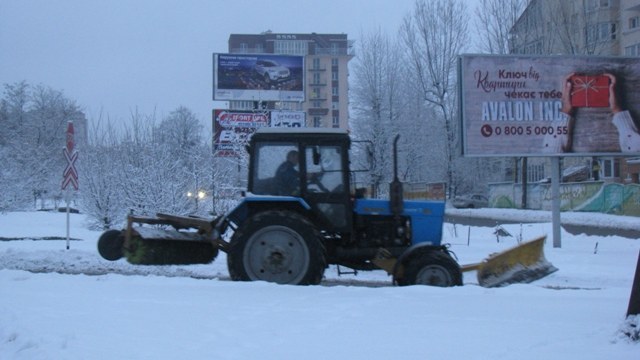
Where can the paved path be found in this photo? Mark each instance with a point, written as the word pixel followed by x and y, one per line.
pixel 479 218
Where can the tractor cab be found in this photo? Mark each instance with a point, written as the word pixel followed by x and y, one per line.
pixel 305 168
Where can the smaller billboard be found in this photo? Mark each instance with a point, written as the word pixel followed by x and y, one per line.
pixel 520 105
pixel 258 77
pixel 283 118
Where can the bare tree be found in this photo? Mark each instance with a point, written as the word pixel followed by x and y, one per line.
pixel 495 18
pixel 34 121
pixel 434 35
pixel 378 101
pixel 564 27
pixel 101 176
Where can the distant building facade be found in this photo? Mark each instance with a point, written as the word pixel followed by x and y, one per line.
pixel 326 73
pixel 586 27
pixel 581 27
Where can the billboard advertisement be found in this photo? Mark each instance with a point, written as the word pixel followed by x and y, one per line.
pixel 549 105
pixel 282 118
pixel 232 129
pixel 258 77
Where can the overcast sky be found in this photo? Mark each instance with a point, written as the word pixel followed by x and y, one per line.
pixel 113 56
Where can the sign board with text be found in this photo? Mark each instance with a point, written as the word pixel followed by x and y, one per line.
pixel 258 77
pixel 232 128
pixel 517 105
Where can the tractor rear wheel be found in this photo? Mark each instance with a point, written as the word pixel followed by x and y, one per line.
pixel 110 245
pixel 277 246
pixel 435 268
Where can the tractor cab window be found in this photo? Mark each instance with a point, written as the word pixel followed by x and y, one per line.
pixel 276 169
pixel 324 169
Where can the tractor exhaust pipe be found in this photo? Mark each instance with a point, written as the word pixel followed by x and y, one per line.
pixel 395 188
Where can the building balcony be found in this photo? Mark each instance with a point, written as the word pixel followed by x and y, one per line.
pixel 317 96
pixel 318 111
pixel 314 69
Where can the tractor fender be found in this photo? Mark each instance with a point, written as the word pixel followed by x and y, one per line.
pixel 244 210
pixel 413 250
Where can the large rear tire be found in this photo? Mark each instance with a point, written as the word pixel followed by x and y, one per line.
pixel 433 267
pixel 110 245
pixel 277 246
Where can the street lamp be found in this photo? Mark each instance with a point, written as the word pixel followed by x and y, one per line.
pixel 197 196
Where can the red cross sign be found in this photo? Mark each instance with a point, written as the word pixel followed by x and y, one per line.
pixel 70 174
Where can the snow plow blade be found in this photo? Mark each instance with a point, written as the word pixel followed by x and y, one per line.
pixel 521 264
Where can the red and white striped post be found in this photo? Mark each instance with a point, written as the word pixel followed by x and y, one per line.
pixel 70 174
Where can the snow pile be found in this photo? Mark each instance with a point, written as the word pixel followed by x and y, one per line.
pixel 631 328
pixel 71 304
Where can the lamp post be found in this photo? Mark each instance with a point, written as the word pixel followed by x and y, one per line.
pixel 199 195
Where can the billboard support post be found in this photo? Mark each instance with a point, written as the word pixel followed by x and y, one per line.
pixel 555 200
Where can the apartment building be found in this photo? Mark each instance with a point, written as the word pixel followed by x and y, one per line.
pixel 326 73
pixel 582 27
pixel 585 27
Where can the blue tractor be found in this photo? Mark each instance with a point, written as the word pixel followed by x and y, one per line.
pixel 301 212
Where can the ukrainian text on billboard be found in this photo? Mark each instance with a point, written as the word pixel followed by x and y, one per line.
pixel 283 118
pixel 549 105
pixel 232 130
pixel 258 77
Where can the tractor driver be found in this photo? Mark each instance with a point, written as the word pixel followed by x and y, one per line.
pixel 287 177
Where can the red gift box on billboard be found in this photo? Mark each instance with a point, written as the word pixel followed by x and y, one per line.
pixel 590 91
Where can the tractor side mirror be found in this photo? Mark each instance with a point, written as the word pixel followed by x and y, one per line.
pixel 316 156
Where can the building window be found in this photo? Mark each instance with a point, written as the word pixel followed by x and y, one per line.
pixel 336 122
pixel 316 104
pixel 633 50
pixel 290 47
pixel 334 49
pixel 335 105
pixel 316 63
pixel 244 48
pixel 317 121
pixel 241 105
pixel 316 78
pixel 259 49
pixel 535 173
pixel 634 22
pixel 598 4
pixel 334 61
pixel 601 32
pixel 334 75
pixel 334 91
pixel 610 168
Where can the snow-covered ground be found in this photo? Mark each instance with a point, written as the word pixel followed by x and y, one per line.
pixel 71 304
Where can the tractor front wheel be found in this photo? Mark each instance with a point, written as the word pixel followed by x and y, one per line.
pixel 277 246
pixel 435 268
pixel 110 245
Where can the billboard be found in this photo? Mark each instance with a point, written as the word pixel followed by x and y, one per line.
pixel 549 105
pixel 258 77
pixel 232 128
pixel 282 118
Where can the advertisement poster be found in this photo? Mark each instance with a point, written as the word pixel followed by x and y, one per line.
pixel 549 105
pixel 284 118
pixel 232 129
pixel 258 77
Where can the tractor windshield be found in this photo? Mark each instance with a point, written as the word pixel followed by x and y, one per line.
pixel 324 169
pixel 276 170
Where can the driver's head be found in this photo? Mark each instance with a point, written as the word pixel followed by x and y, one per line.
pixel 292 157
